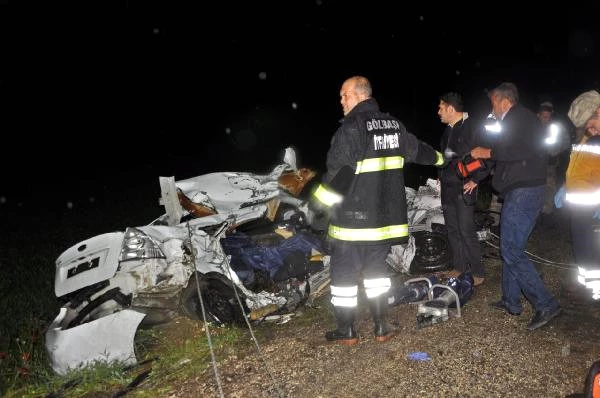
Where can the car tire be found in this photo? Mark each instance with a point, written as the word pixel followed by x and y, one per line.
pixel 432 253
pixel 220 302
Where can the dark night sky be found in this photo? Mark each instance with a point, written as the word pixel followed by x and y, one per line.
pixel 142 90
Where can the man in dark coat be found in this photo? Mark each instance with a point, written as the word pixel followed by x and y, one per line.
pixel 364 189
pixel 459 192
pixel 520 179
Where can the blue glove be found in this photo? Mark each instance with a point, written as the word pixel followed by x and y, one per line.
pixel 559 197
pixel 597 214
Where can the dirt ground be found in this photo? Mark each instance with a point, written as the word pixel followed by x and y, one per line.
pixel 484 353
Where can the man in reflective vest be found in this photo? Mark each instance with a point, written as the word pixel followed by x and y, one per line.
pixel 364 190
pixel 581 193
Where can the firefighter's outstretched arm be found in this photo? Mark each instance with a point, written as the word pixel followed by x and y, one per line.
pixel 417 151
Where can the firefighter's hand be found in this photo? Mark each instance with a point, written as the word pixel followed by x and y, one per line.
pixel 316 206
pixel 481 153
pixel 469 186
pixel 317 209
pixel 559 197
pixel 317 215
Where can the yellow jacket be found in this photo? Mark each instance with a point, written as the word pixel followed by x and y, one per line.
pixel 583 174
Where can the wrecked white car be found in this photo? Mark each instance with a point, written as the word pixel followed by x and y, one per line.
pixel 223 236
pixel 113 282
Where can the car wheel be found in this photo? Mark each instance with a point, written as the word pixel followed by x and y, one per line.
pixel 220 303
pixel 432 253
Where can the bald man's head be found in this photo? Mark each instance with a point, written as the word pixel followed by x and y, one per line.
pixel 354 90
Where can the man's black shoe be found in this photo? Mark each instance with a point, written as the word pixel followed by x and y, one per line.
pixel 501 306
pixel 543 317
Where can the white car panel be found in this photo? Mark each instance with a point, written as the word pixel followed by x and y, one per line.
pixel 88 262
pixel 108 339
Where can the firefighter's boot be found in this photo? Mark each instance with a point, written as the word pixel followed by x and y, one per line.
pixel 382 329
pixel 345 333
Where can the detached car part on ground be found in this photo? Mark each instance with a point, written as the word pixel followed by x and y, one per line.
pixel 114 282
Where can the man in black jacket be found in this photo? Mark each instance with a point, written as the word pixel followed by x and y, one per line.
pixel 364 188
pixel 459 192
pixel 520 179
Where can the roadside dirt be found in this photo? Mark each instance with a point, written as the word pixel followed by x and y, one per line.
pixel 481 354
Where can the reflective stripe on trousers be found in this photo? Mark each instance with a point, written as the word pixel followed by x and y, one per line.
pixel 377 287
pixel 344 296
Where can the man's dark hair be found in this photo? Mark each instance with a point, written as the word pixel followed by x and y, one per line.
pixel 454 99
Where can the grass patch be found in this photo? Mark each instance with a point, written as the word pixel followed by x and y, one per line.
pixel 187 356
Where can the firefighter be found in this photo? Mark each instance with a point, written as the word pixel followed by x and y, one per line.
pixel 581 192
pixel 364 190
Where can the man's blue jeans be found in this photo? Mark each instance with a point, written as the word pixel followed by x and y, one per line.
pixel 519 213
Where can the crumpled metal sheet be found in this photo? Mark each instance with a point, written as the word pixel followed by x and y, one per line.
pixel 401 256
pixel 107 339
pixel 227 192
pixel 424 208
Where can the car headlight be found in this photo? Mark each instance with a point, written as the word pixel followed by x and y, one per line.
pixel 139 246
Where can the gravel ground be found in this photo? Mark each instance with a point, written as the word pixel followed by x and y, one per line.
pixel 484 353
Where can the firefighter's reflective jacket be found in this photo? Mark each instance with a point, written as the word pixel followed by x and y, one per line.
pixel 364 183
pixel 583 175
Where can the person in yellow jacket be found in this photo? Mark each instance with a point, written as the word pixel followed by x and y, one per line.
pixel 581 195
